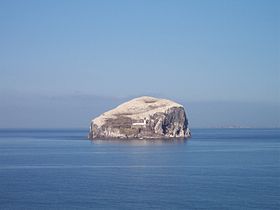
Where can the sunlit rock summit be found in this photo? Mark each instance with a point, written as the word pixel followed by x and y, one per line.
pixel 142 118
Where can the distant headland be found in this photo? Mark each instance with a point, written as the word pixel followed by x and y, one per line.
pixel 142 118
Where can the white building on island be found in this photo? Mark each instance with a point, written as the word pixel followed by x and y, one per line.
pixel 144 123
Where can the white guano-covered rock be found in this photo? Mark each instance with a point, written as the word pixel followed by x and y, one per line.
pixel 144 117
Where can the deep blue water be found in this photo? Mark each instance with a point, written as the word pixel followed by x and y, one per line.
pixel 216 169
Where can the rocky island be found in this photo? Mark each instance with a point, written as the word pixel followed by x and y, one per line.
pixel 142 118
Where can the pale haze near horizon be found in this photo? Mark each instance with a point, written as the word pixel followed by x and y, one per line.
pixel 63 63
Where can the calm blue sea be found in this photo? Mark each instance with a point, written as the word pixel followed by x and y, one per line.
pixel 216 169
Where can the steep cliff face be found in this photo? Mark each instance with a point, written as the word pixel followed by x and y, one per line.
pixel 144 117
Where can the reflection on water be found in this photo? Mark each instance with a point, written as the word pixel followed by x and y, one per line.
pixel 141 142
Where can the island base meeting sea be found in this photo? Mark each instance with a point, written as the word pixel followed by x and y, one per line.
pixel 215 169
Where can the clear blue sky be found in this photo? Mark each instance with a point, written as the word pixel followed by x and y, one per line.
pixel 192 51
